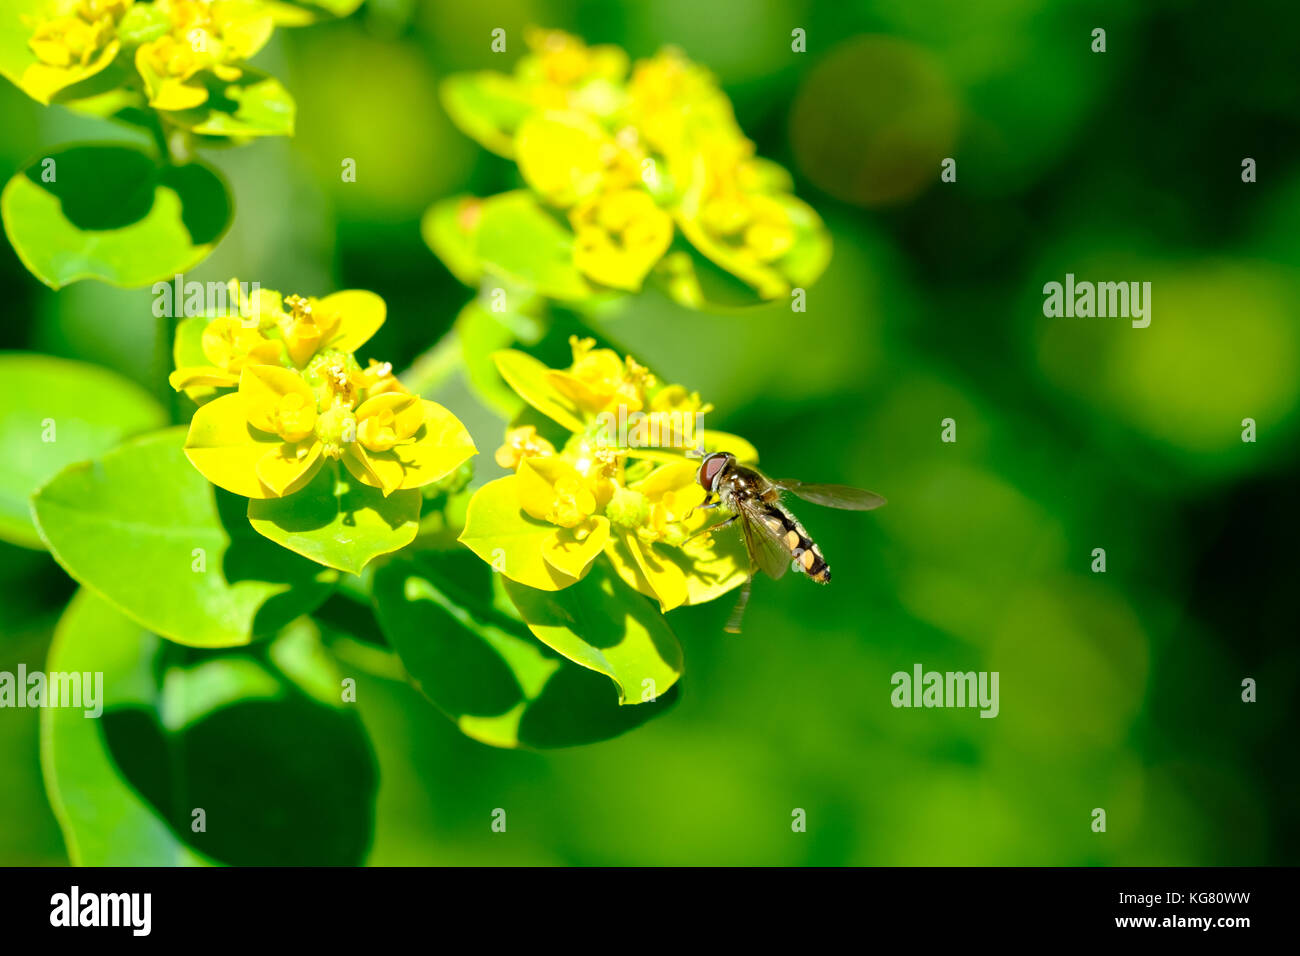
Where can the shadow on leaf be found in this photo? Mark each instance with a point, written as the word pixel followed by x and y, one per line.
pixel 285 782
pixel 104 188
pixel 251 557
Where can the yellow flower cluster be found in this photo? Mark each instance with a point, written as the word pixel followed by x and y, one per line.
pixel 204 37
pixel 301 398
pixel 178 45
pixel 565 506
pixel 631 156
pixel 74 41
pixel 77 32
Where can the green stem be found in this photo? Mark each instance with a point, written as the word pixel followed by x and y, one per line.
pixel 182 146
pixel 166 334
pixel 159 134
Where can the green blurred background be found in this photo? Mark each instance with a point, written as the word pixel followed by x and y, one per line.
pixel 1118 690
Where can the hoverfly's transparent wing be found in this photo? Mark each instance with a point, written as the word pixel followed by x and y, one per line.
pixel 758 545
pixel 832 496
pixel 738 612
pixel 766 550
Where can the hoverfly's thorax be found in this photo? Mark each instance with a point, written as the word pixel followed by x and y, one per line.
pixel 744 481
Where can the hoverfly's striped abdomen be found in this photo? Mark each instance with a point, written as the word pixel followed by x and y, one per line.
pixel 803 550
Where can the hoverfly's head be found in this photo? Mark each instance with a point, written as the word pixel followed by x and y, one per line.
pixel 712 467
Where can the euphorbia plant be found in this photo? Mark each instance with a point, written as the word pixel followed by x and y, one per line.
pixel 316 498
pixel 632 170
pixel 310 474
pixel 587 497
pixel 588 520
pixel 635 175
pixel 306 430
pixel 175 69
pixel 303 514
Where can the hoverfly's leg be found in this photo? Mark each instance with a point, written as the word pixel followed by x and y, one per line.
pixel 709 507
pixel 738 612
pixel 712 527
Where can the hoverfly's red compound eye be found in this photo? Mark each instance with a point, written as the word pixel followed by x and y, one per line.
pixel 711 467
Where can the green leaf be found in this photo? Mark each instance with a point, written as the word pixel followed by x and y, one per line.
pixel 143 529
pixel 57 412
pixel 224 733
pixel 811 253
pixel 522 242
pixel 337 521
pixel 603 625
pixel 706 272
pixel 481 335
pixel 120 104
pixel 293 13
pixel 690 279
pixel 530 379
pixel 85 785
pixel 339 8
pixel 111 214
pixel 142 23
pixel 256 104
pixel 187 348
pixel 484 669
pixel 449 227
pixel 487 106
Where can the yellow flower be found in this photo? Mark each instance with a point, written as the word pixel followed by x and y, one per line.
pixel 521 443
pixel 260 441
pixel 599 381
pixel 343 320
pixel 620 236
pixel 562 72
pixel 675 398
pixel 671 493
pixel 632 160
pixel 75 41
pixel 568 157
pixel 269 437
pixel 289 331
pixel 228 345
pixel 207 37
pixel 603 180
pixel 677 106
pixel 561 510
pixel 378 379
pixel 304 329
pixel 404 441
pixel 731 216
pixel 755 223
pixel 289 413
pixel 552 489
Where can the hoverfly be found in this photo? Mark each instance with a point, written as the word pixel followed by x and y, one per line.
pixel 774 538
